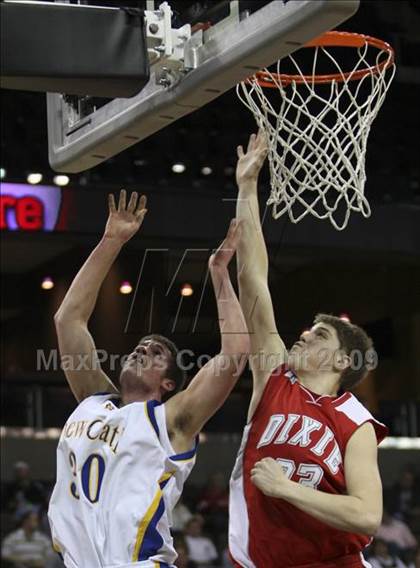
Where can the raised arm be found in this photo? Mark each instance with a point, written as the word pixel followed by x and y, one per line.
pixel 189 410
pixel 267 348
pixel 82 369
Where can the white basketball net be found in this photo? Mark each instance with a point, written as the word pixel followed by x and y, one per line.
pixel 317 135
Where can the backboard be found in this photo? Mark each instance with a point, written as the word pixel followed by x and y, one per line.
pixel 190 66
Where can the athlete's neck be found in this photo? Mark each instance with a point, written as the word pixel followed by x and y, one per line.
pixel 319 383
pixel 127 397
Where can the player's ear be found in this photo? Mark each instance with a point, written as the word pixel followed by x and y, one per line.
pixel 168 385
pixel 342 361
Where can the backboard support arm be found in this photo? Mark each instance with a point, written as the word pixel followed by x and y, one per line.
pixel 215 60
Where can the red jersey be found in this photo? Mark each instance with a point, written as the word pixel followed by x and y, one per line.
pixel 307 434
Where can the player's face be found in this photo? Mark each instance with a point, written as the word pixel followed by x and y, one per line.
pixel 148 363
pixel 318 349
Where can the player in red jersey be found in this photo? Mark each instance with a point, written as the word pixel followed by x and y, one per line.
pixel 305 490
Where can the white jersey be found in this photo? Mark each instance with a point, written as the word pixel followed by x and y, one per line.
pixel 118 479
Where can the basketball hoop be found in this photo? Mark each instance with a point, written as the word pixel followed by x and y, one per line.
pixel 317 133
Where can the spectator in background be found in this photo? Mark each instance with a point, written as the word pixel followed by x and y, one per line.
pixel 413 558
pixel 201 549
pixel 403 499
pixel 215 495
pixel 381 557
pixel 23 491
pixel 183 560
pixel 226 560
pixel 27 547
pixel 180 516
pixel 214 504
pixel 396 534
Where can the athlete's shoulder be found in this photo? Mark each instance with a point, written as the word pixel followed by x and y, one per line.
pixel 283 373
pixel 281 379
pixel 277 389
pixel 351 407
pixel 352 413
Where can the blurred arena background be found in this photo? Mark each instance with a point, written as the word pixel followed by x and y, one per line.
pixel 370 272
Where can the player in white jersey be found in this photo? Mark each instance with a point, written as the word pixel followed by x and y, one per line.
pixel 122 458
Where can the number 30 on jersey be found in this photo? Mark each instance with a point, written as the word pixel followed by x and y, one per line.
pixel 92 474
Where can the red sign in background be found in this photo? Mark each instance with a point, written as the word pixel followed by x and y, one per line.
pixel 29 208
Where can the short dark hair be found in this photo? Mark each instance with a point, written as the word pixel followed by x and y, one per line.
pixel 355 342
pixel 175 373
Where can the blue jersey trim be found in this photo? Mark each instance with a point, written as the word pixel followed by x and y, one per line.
pixel 186 455
pixel 152 540
pixel 150 405
pixel 101 393
pixel 162 484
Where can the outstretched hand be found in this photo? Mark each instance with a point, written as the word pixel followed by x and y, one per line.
pixel 250 162
pixel 225 252
pixel 124 221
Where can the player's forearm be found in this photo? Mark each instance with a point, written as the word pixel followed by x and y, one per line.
pixel 344 512
pixel 80 300
pixel 233 329
pixel 252 252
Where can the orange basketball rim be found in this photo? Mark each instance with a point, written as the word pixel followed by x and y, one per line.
pixel 335 39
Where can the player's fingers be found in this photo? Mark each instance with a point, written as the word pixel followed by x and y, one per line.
pixel 240 151
pixel 262 141
pixel 235 231
pixel 111 203
pixel 255 478
pixel 140 214
pixel 133 202
pixel 142 203
pixel 263 144
pixel 232 227
pixel 122 201
pixel 251 142
pixel 266 462
pixel 238 232
pixel 262 465
pixel 261 136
